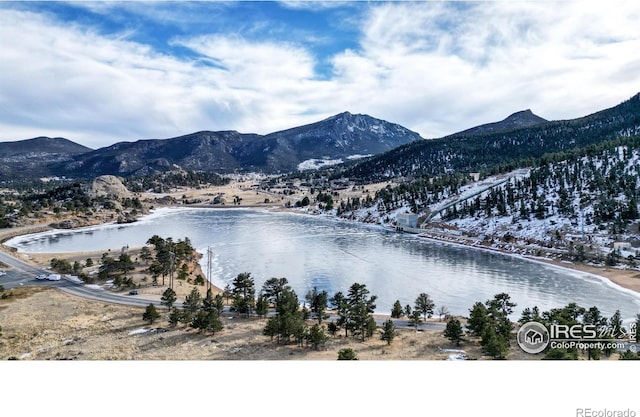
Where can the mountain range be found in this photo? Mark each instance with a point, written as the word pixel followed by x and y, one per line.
pixel 23 158
pixel 392 150
pixel 486 149
pixel 338 137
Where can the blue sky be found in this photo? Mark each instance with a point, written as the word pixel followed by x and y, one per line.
pixel 102 72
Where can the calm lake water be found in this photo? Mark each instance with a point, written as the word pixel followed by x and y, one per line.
pixel 331 255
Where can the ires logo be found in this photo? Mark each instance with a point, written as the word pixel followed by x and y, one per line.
pixel 534 337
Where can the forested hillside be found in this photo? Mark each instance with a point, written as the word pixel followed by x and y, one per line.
pixel 162 181
pixel 579 202
pixel 602 187
pixel 499 152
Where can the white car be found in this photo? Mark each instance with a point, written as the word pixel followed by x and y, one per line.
pixel 42 276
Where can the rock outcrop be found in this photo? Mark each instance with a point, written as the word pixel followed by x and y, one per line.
pixel 109 186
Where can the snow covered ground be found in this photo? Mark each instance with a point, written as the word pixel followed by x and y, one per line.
pixel 554 233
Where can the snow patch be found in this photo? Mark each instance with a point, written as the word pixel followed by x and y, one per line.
pixel 94 287
pixel 358 156
pixel 455 354
pixel 75 279
pixel 317 163
pixel 321 163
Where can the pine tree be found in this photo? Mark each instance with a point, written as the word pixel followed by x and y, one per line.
pixel 317 336
pixel 273 288
pixel 208 302
pixel 288 321
pixel 396 311
pixel 190 305
pixel 262 305
pixel 360 307
pixel 218 303
pixel 318 304
pixel 145 254
pixel 342 308
pixel 424 304
pixel 150 314
pixel 243 294
pixel 494 344
pixel 175 317
pixel 478 319
pixel 205 320
pixel 168 298
pixel 454 331
pixel 388 332
pixel 414 319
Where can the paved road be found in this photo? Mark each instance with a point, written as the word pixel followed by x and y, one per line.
pixel 21 273
pixel 461 199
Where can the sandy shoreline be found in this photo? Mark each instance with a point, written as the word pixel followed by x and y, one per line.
pixel 626 279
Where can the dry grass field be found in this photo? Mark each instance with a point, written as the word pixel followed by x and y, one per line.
pixel 45 324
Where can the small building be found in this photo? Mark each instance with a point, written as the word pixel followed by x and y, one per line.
pixel 407 220
pixel 475 176
pixel 621 245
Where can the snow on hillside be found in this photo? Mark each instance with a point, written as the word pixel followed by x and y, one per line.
pixel 317 163
pixel 311 164
pixel 589 210
pixel 574 206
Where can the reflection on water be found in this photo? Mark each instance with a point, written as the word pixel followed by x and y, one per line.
pixel 331 255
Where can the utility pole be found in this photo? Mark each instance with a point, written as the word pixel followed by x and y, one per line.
pixel 209 266
pixel 171 266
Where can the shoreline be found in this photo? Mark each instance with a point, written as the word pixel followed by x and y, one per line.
pixel 623 280
pixel 620 279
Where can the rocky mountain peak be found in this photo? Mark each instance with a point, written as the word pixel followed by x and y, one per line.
pixel 517 120
pixel 524 118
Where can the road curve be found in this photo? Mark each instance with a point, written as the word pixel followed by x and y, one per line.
pixel 21 273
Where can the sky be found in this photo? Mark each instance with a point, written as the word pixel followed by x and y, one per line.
pixel 99 73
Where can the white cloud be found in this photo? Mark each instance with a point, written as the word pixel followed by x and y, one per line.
pixel 443 67
pixel 58 78
pixel 433 67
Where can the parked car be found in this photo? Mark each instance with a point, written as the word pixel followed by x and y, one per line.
pixel 133 292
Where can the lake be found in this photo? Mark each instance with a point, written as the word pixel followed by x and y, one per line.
pixel 330 254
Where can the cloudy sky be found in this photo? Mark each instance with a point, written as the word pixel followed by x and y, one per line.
pixel 103 72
